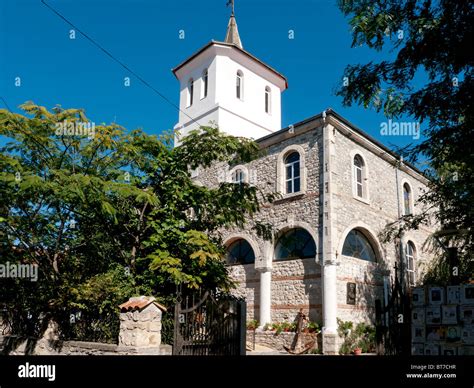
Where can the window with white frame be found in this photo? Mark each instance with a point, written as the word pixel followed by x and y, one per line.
pixel 292 173
pixel 410 257
pixel 204 83
pixel 239 85
pixel 358 245
pixel 190 93
pixel 359 176
pixel 407 202
pixel 238 176
pixel 268 100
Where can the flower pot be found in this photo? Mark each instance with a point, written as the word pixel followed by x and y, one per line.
pixel 357 351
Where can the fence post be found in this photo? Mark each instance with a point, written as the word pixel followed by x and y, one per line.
pixel 140 324
pixel 243 327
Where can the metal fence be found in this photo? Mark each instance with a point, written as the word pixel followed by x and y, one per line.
pixel 209 323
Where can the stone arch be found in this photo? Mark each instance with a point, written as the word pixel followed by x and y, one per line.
pixel 285 227
pixel 243 236
pixel 371 236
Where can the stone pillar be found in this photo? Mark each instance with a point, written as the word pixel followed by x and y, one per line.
pixel 330 336
pixel 329 255
pixel 140 324
pixel 265 296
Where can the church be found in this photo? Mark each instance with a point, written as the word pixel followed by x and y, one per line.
pixel 338 189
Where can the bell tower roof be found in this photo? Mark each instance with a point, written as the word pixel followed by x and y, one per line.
pixel 232 35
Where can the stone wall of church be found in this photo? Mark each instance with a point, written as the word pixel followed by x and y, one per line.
pixel 295 283
pixel 247 281
pixel 379 209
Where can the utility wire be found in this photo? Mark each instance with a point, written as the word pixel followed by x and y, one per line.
pixel 6 104
pixel 146 83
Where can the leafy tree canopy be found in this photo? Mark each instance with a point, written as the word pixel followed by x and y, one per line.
pixel 430 40
pixel 107 213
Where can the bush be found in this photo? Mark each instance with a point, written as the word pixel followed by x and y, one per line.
pixel 252 325
pixel 363 337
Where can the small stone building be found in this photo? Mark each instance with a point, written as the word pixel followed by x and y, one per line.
pixel 140 323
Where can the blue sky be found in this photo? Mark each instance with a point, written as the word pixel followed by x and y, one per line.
pixel 35 45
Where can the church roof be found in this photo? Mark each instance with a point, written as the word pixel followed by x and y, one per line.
pixel 233 45
pixel 232 35
pixel 272 138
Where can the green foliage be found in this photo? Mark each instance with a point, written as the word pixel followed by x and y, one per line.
pixel 313 327
pixel 279 327
pixel 111 213
pixel 252 325
pixel 362 337
pixel 429 41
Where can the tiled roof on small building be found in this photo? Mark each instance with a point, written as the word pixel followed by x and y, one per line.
pixel 140 302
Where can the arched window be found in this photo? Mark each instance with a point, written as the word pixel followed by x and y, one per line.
pixel 410 257
pixel 295 244
pixel 190 93
pixel 238 176
pixel 240 252
pixel 292 177
pixel 204 84
pixel 239 91
pixel 359 175
pixel 406 199
pixel 268 100
pixel 358 245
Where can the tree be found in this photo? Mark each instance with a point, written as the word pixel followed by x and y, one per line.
pixel 105 213
pixel 431 40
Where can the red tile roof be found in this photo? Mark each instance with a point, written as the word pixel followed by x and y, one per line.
pixel 140 302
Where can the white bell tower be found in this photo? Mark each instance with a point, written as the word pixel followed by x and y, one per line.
pixel 225 85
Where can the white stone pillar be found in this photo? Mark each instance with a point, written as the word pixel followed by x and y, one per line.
pixel 329 263
pixel 330 298
pixel 265 296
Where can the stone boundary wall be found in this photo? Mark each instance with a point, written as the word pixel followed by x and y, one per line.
pixel 277 341
pixel 13 345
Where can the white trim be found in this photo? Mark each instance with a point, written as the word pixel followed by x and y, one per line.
pixel 203 84
pixel 365 177
pixel 244 169
pixel 416 259
pixel 402 196
pixel 281 173
pixel 268 91
pixel 190 92
pixel 241 117
pixel 239 75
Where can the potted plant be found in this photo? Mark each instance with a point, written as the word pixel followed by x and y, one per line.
pixel 358 340
pixel 312 327
pixel 252 325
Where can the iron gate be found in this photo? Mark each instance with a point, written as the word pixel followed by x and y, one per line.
pixel 209 323
pixel 393 334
